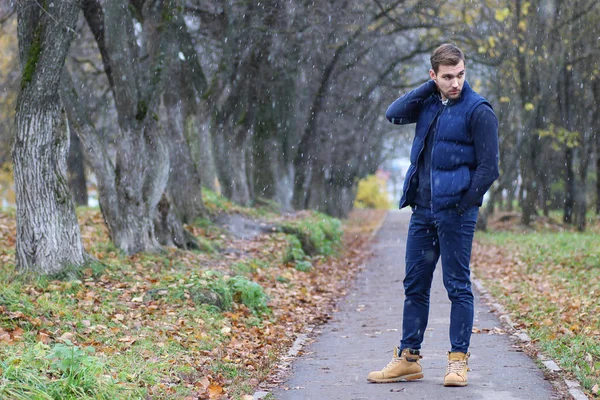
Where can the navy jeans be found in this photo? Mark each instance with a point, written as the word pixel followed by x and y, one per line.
pixel 431 235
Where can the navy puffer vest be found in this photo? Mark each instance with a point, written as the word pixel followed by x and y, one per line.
pixel 453 155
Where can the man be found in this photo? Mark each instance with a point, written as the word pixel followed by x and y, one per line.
pixel 454 161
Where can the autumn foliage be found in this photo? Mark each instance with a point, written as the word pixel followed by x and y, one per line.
pixel 548 280
pixel 178 324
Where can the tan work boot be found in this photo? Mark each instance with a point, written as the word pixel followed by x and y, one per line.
pixel 456 373
pixel 405 367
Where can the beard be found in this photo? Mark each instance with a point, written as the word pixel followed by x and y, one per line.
pixel 452 93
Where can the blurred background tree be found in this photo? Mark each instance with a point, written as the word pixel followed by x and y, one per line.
pixel 284 101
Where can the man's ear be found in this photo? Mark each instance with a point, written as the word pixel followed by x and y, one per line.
pixel 432 75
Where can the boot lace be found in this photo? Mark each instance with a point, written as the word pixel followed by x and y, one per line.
pixel 456 367
pixel 391 364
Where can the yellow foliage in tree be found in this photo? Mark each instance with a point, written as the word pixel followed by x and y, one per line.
pixel 8 64
pixel 371 193
pixel 7 188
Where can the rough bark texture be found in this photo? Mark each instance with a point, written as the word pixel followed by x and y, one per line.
pixel 131 193
pixel 197 109
pixel 94 149
pixel 48 236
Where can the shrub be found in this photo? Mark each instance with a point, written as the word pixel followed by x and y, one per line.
pixel 318 235
pixel 221 292
pixel 249 293
pixel 294 250
pixel 371 193
pixel 303 266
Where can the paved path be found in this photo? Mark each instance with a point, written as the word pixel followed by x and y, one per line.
pixel 361 336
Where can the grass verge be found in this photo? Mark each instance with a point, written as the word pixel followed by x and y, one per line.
pixel 550 283
pixel 174 325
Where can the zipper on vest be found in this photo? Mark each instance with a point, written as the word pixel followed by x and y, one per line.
pixel 437 122
pixel 422 148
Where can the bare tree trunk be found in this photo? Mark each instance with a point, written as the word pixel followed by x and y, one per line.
pixel 137 179
pixel 569 187
pixel 232 144
pixel 528 170
pixel 597 174
pixel 76 170
pixel 271 154
pixel 48 236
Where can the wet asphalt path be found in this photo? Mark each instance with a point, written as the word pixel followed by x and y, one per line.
pixel 361 336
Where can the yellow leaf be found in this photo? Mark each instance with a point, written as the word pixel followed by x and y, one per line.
pixel 215 390
pixel 501 15
pixel 529 107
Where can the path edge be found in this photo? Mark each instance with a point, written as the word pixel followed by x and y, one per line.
pixel 300 342
pixel 550 366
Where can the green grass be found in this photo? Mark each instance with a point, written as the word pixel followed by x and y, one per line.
pixel 61 371
pixel 553 293
pixel 153 325
pixel 318 235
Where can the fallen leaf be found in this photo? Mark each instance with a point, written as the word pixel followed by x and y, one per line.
pixel 204 382
pixel 4 336
pixel 127 339
pixel 595 389
pixel 226 330
pixel 66 336
pixel 43 337
pixel 215 390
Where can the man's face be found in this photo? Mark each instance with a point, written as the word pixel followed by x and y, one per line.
pixel 449 80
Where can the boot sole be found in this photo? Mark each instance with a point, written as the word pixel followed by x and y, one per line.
pixel 455 384
pixel 402 378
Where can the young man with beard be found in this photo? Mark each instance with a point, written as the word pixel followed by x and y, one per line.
pixel 454 161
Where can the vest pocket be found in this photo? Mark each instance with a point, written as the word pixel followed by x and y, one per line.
pixel 450 183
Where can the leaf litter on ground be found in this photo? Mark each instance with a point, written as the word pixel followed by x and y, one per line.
pixel 150 318
pixel 548 279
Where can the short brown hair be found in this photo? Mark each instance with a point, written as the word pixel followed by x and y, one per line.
pixel 446 54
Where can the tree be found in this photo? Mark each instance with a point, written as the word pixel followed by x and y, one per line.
pixel 138 205
pixel 48 236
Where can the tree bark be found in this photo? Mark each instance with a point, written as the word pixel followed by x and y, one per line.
pixel 569 187
pixel 48 235
pixel 231 144
pixel 76 170
pixel 139 177
pixel 271 154
pixel 597 174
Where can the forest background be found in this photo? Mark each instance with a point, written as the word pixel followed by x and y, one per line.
pixel 167 104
